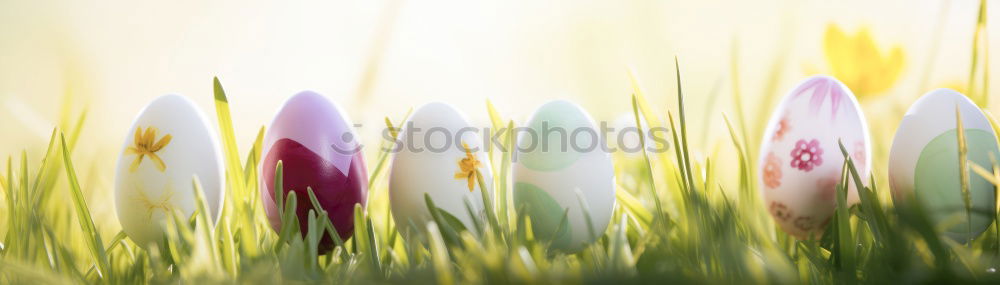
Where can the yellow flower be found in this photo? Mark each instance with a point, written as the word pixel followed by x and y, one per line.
pixel 468 167
pixel 857 61
pixel 144 146
pixel 956 85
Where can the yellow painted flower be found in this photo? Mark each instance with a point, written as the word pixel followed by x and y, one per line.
pixel 144 146
pixel 858 61
pixel 468 167
pixel 163 204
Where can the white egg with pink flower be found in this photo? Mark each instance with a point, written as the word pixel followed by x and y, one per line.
pixel 800 158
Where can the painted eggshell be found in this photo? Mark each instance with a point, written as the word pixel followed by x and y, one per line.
pixel 924 161
pixel 436 153
pixel 167 146
pixel 314 141
pixel 800 158
pixel 561 165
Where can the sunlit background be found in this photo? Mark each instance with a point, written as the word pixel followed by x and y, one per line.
pixel 381 58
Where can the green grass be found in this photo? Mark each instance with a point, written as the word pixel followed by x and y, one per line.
pixel 677 223
pixel 679 217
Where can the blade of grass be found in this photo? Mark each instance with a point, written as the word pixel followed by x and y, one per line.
pixel 980 44
pixel 651 119
pixel 439 255
pixel 496 123
pixel 253 158
pixel 685 186
pixel 289 221
pixel 484 193
pixel 331 229
pixel 45 162
pixel 634 207
pixel 963 166
pixel 994 178
pixel 447 228
pixel 278 188
pixel 365 242
pixel 744 169
pixel 503 193
pixel 658 216
pixel 204 225
pixel 585 209
pixel 230 148
pixel 683 125
pixel 845 242
pixel 384 155
pixel 313 236
pixel 93 237
pixel 734 75
pixel 476 224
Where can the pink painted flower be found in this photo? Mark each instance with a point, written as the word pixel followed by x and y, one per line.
pixel 780 211
pixel 822 87
pixel 807 155
pixel 827 188
pixel 772 171
pixel 783 128
pixel 804 223
pixel 859 153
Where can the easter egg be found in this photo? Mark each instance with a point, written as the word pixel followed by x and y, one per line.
pixel 315 143
pixel 800 157
pixel 167 146
pixel 562 170
pixel 437 154
pixel 923 161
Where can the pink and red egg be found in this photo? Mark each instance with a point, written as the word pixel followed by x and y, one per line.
pixel 314 141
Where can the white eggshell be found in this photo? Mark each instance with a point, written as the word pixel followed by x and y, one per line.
pixel 427 159
pixel 924 161
pixel 800 157
pixel 146 191
pixel 556 173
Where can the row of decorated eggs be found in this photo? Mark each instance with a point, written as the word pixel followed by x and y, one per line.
pixel 170 143
pixel 314 141
pixel 801 161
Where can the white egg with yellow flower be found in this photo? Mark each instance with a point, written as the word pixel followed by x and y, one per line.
pixel 438 154
pixel 167 146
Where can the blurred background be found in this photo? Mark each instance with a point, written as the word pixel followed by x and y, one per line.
pixel 381 58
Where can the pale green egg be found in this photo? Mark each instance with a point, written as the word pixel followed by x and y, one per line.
pixel 924 163
pixel 563 177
